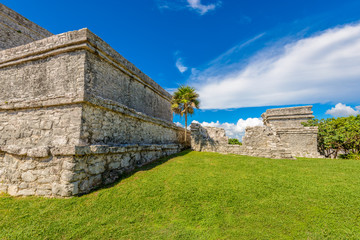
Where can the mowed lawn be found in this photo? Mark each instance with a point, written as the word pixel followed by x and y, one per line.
pixel 202 196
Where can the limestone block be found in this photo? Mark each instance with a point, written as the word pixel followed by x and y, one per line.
pixel 27 165
pixel 12 190
pixel 3 188
pixel 114 165
pixel 84 186
pixel 42 192
pixel 44 187
pixel 26 192
pixel 126 161
pixel 23 185
pixel 38 152
pixel 95 181
pixel 28 176
pixel 63 190
pixel 47 179
pixel 67 176
pixel 75 188
pixel 47 125
pixel 67 165
pixel 97 168
pixel 60 141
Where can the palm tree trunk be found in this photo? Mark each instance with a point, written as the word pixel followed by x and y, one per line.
pixel 185 126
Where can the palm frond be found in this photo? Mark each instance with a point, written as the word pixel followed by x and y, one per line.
pixel 185 100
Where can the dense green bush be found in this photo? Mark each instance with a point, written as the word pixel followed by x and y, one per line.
pixel 234 141
pixel 338 135
pixel 351 155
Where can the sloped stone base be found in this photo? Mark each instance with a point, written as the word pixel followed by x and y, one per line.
pixel 74 170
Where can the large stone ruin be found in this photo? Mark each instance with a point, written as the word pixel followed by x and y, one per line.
pixel 282 136
pixel 286 122
pixel 74 113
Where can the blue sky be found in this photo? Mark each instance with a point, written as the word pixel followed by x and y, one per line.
pixel 243 56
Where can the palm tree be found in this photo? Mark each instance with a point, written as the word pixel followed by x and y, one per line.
pixel 184 102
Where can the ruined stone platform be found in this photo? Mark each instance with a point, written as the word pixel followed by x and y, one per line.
pixel 75 114
pixel 286 123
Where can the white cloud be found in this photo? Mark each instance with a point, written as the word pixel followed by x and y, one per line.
pixel 195 5
pixel 341 110
pixel 179 124
pixel 319 69
pixel 201 8
pixel 234 130
pixel 170 5
pixel 180 65
pixel 171 90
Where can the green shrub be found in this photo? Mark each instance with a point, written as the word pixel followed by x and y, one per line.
pixel 338 135
pixel 355 156
pixel 234 141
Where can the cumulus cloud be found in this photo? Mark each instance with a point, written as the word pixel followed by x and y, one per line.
pixel 341 110
pixel 234 130
pixel 202 8
pixel 180 65
pixel 318 69
pixel 179 124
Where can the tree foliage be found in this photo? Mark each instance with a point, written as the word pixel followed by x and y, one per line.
pixel 338 135
pixel 234 141
pixel 184 102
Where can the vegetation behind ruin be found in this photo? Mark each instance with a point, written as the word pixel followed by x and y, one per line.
pixel 338 136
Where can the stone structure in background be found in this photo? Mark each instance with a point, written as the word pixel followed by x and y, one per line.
pixel 286 122
pixel 15 30
pixel 282 136
pixel 74 114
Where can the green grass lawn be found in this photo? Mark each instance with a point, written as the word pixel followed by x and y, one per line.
pixel 202 196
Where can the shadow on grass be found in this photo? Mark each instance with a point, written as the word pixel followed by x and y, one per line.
pixel 145 167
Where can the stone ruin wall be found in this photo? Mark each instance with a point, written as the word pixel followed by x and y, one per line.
pixel 75 115
pixel 15 30
pixel 286 122
pixel 282 136
pixel 258 142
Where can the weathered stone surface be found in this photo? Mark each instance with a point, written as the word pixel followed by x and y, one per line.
pixel 67 176
pixel 27 165
pixel 290 117
pixel 75 114
pixel 28 176
pixel 263 142
pixel 12 190
pixel 89 66
pixel 302 141
pixel 286 122
pixel 74 102
pixel 63 176
pixel 26 192
pixel 14 123
pixel 43 192
pixel 15 30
